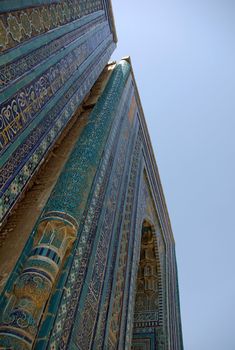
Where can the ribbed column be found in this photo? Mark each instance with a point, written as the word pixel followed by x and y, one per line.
pixel 56 232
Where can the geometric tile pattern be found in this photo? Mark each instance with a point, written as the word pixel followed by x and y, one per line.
pixel 20 25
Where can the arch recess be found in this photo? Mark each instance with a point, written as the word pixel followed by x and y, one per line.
pixel 148 292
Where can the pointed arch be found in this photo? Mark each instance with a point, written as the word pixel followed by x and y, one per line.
pixel 148 299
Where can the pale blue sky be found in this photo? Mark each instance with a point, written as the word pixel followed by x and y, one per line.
pixel 183 55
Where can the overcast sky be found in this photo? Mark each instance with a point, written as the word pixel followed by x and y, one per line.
pixel 183 55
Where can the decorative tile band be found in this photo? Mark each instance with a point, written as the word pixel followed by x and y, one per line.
pixel 22 108
pixel 115 319
pixel 50 215
pixel 127 311
pixel 12 71
pixel 103 324
pixel 16 5
pixel 48 252
pixel 22 25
